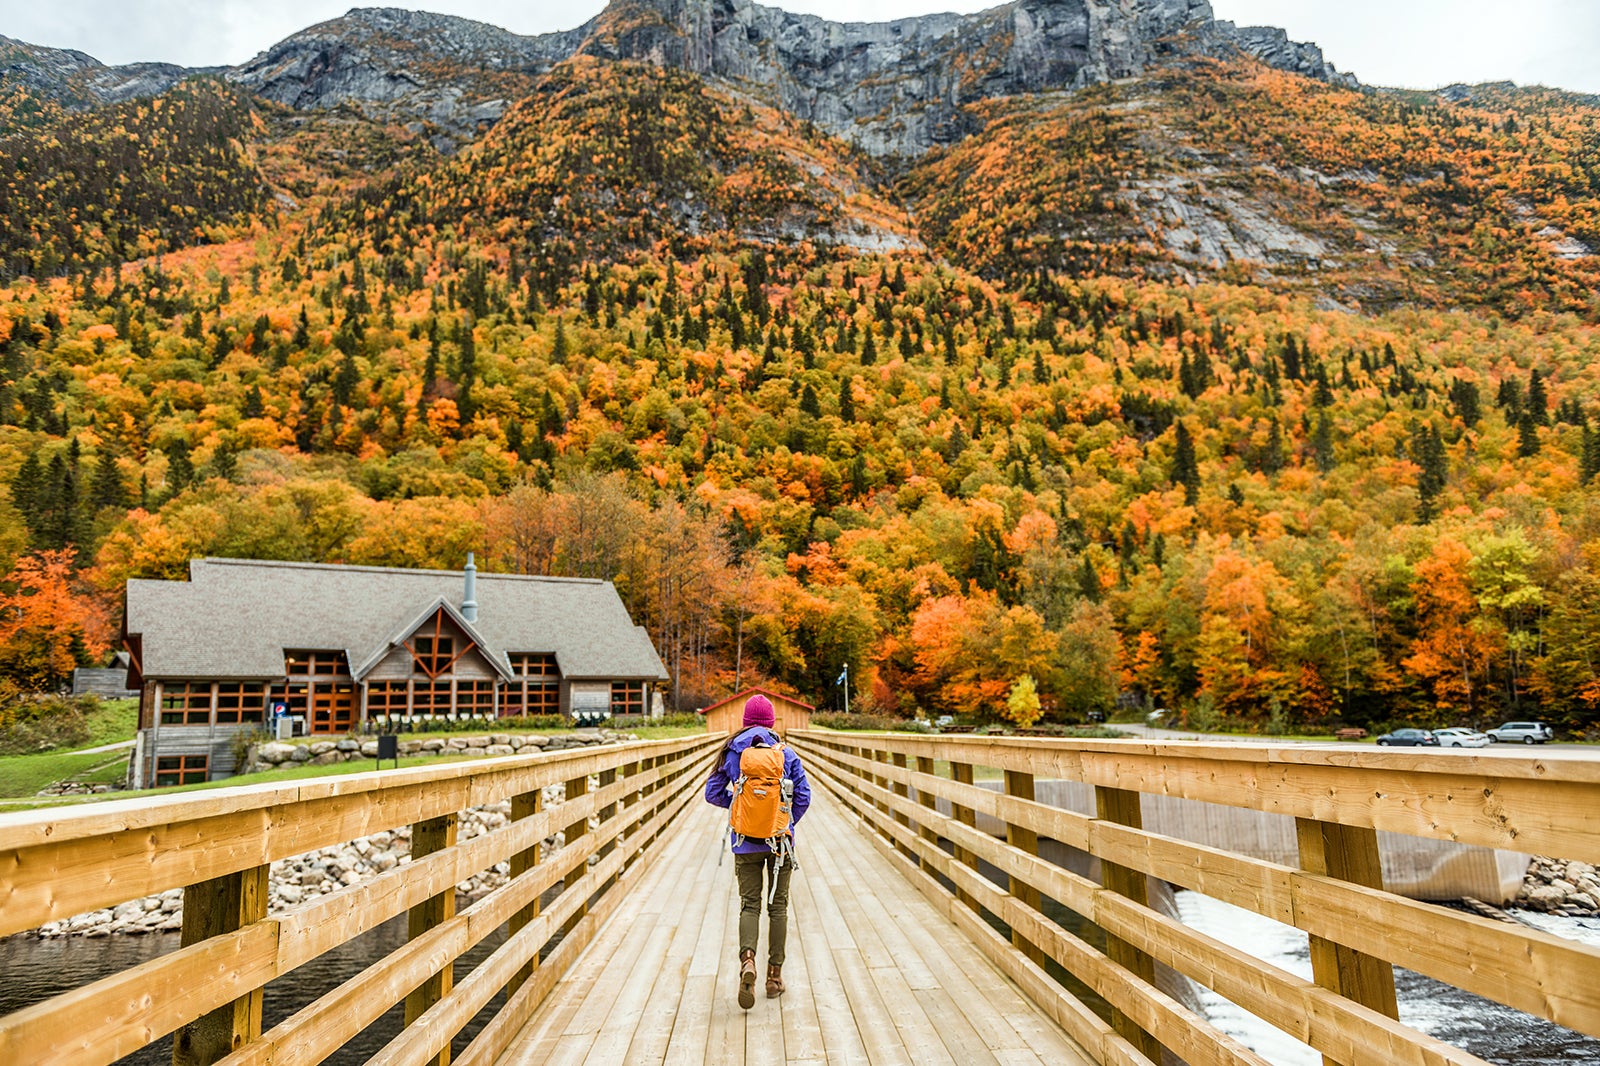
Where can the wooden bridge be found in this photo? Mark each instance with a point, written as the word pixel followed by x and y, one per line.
pixel 916 935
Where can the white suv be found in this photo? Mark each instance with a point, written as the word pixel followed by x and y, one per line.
pixel 1527 732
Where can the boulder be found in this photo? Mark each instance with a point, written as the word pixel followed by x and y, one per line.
pixel 275 753
pixel 434 744
pixel 322 747
pixel 477 742
pixel 349 744
pixel 499 749
pixel 301 753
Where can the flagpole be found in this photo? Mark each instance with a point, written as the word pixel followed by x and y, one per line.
pixel 846 688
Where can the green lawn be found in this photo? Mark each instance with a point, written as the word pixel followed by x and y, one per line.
pixel 21 776
pixel 116 720
pixel 25 775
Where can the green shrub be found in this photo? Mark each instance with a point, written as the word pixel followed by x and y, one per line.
pixel 878 723
pixel 635 721
pixel 45 723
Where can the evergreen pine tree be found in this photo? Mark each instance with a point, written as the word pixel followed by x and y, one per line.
pixel 1527 435
pixel 1185 467
pixel 847 403
pixel 107 490
pixel 1272 459
pixel 808 402
pixel 1588 462
pixel 1322 443
pixel 1089 580
pixel 558 346
pixel 27 490
pixel 869 350
pixel 180 468
pixel 956 443
pixel 1538 399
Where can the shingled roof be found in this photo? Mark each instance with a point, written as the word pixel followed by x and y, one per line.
pixel 234 618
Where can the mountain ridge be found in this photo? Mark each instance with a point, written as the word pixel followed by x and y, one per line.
pixel 892 88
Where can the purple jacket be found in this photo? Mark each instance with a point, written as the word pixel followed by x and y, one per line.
pixel 719 787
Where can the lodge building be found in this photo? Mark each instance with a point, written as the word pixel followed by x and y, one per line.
pixel 244 642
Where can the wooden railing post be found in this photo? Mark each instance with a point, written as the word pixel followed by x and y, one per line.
pixel 609 811
pixel 211 908
pixel 525 805
pixel 898 760
pixel 574 789
pixel 961 772
pixel 1020 785
pixel 427 837
pixel 1121 805
pixel 1349 853
pixel 925 798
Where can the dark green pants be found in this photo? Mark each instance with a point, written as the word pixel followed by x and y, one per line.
pixel 754 873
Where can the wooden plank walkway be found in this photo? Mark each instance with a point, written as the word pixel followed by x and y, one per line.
pixel 875 975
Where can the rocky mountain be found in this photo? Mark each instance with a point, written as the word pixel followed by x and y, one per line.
pixel 892 88
pixel 39 78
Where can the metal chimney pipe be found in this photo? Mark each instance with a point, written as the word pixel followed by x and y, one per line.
pixel 469 598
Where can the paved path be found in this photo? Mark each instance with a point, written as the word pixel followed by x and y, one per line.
pixel 118 746
pixel 875 975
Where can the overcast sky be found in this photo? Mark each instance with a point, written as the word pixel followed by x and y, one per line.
pixel 1413 43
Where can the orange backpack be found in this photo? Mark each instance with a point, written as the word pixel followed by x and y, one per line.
pixel 761 796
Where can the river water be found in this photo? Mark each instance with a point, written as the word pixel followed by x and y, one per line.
pixel 1489 1030
pixel 35 970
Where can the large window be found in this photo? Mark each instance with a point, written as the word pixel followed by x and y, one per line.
pixel 386 698
pixel 627 697
pixel 539 689
pixel 474 697
pixel 240 702
pixel 433 655
pixel 181 769
pixel 313 663
pixel 430 697
pixel 544 697
pixel 186 703
pixel 534 664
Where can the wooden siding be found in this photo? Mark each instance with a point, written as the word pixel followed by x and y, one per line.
pixel 728 717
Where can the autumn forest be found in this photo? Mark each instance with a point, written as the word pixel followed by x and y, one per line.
pixel 985 419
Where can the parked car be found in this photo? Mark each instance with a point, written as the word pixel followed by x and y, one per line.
pixel 1409 738
pixel 1457 737
pixel 1527 732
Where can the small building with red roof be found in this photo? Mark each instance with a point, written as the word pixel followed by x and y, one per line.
pixel 728 715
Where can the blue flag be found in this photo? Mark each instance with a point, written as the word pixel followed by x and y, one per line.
pixel 842 675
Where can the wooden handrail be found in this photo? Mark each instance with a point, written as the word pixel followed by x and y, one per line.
pixel 55 864
pixel 1544 975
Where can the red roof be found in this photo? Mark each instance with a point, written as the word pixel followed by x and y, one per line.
pixel 752 691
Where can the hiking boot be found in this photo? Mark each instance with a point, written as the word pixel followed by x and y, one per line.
pixel 774 982
pixel 747 979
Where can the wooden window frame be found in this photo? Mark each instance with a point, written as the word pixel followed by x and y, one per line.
pixel 188 770
pixel 535 665
pixel 388 699
pixel 241 702
pixel 428 664
pixel 192 706
pixel 632 701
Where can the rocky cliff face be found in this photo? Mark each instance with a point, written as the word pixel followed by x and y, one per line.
pixel 76 80
pixel 897 87
pixel 894 88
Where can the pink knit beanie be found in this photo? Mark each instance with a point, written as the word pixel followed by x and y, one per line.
pixel 758 711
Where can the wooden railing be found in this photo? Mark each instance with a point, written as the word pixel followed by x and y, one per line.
pixel 217 846
pixel 1358 932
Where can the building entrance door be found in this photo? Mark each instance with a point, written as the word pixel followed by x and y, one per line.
pixel 333 709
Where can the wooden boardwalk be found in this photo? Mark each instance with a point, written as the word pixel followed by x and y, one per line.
pixel 875 975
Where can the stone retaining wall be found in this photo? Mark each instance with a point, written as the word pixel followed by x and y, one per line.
pixel 349 749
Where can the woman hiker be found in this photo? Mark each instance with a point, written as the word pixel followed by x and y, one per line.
pixel 764 785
